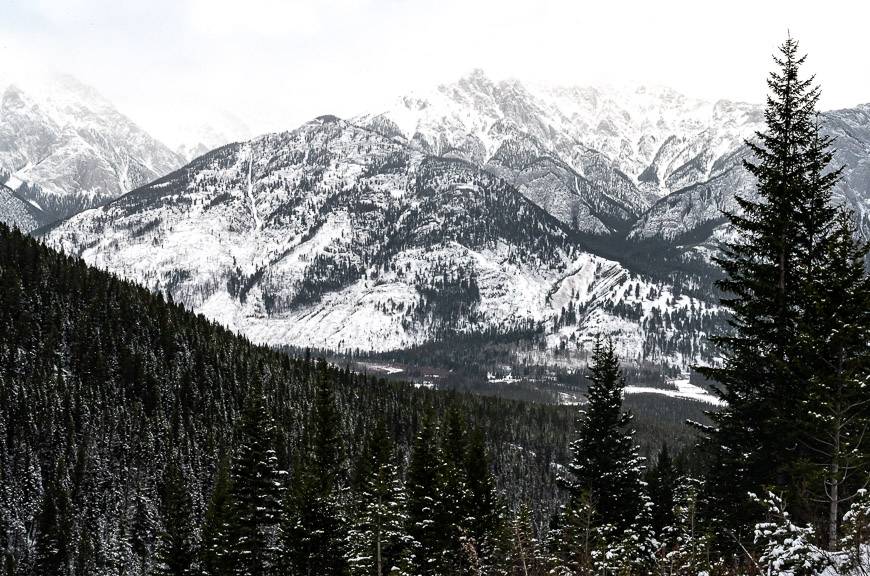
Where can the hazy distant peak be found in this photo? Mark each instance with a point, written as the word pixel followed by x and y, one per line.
pixel 71 147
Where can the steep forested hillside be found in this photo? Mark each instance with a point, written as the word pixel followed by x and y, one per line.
pixel 104 387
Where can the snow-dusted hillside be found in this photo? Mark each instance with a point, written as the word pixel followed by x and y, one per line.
pixel 480 208
pixel 851 128
pixel 71 148
pixel 631 163
pixel 694 213
pixel 596 159
pixel 334 235
pixel 16 212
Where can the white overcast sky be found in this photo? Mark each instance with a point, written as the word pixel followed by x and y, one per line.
pixel 277 63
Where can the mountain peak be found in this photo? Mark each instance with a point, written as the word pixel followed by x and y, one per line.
pixel 476 81
pixel 72 148
pixel 478 76
pixel 13 98
pixel 69 85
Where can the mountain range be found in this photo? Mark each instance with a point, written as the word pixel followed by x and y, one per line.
pixel 538 214
pixel 64 148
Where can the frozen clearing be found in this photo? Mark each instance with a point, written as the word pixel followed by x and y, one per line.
pixel 382 368
pixel 683 390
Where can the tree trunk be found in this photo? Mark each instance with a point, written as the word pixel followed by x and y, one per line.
pixel 833 510
pixel 841 417
pixel 521 547
pixel 833 514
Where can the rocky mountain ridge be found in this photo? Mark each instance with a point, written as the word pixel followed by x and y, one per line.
pixel 483 208
pixel 70 149
pixel 335 236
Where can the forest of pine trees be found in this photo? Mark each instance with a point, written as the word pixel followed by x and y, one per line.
pixel 137 438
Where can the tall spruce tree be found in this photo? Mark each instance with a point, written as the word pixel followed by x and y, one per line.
pixel 605 465
pixel 378 543
pixel 606 499
pixel 175 547
pixel 755 441
pixel 836 336
pixel 455 511
pixel 256 492
pixel 315 522
pixel 425 486
pixel 487 519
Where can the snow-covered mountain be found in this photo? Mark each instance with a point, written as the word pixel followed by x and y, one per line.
pixel 482 207
pixel 16 211
pixel 71 149
pixel 638 164
pixel 337 236
pixel 597 159
pixel 691 219
pixel 851 128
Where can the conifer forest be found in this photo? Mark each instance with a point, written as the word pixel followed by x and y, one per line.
pixel 143 434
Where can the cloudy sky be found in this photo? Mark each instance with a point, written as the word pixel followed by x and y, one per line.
pixel 276 63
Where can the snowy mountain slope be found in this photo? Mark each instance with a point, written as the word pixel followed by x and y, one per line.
pixel 851 128
pixel 697 206
pixel 18 213
pixel 631 146
pixel 694 211
pixel 336 236
pixel 72 148
pixel 635 163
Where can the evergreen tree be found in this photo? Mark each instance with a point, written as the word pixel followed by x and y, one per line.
pixel 856 534
pixel 755 441
pixel 214 557
pixel 526 557
pixel 605 524
pixel 314 520
pixel 605 466
pixel 661 481
pixel 377 541
pixel 626 552
pixel 175 550
pixel 834 335
pixel 786 548
pixel 256 487
pixel 486 519
pixel 687 541
pixel 574 539
pixel 425 486
pixel 455 511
